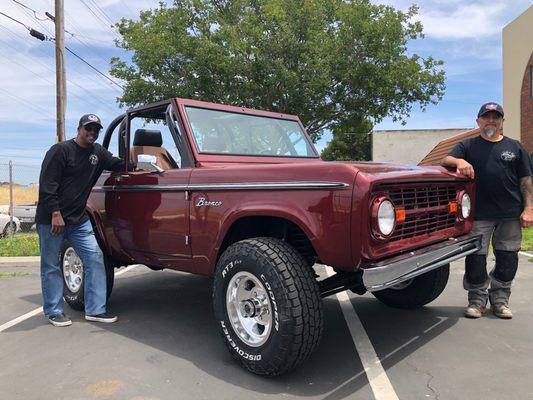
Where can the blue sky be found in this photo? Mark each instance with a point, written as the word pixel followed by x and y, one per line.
pixel 466 35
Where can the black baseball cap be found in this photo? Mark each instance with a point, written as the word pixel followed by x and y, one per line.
pixel 488 107
pixel 90 119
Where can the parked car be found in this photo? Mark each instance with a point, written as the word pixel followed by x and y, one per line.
pixel 8 227
pixel 26 215
pixel 242 195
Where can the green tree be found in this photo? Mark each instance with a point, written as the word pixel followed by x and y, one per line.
pixel 351 141
pixel 331 62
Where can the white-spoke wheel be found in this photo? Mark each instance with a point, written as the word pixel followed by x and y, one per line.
pixel 72 270
pixel 249 309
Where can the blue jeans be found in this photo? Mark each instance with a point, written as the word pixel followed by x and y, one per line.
pixel 81 238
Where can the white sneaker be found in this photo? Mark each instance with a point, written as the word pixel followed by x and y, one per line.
pixel 105 318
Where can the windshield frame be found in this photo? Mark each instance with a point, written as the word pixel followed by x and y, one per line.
pixel 214 156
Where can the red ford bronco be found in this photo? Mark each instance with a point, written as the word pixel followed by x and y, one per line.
pixel 243 196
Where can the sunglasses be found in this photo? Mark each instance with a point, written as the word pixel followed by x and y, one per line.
pixel 93 128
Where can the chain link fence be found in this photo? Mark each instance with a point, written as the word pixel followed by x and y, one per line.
pixel 19 192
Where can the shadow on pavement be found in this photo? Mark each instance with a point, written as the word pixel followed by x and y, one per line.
pixel 173 313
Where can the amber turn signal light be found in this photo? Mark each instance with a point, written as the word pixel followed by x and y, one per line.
pixel 400 214
pixel 452 207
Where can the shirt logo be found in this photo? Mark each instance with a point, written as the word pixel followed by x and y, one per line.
pixel 508 156
pixel 93 158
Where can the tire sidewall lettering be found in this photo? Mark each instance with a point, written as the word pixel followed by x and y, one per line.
pixel 239 348
pixel 229 266
pixel 242 353
pixel 270 292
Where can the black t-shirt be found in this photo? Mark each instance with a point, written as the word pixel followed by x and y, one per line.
pixel 68 174
pixel 498 167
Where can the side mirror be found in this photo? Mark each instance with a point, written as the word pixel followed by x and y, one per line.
pixel 148 162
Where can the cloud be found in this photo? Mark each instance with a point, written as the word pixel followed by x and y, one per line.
pixel 466 21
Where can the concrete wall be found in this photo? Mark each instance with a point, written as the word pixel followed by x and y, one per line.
pixel 408 146
pixel 517 51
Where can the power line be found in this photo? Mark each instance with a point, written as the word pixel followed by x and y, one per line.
pixel 90 76
pixel 91 100
pixel 102 11
pixel 105 23
pixel 95 96
pixel 72 52
pixel 101 73
pixel 29 8
pixel 16 20
pixel 21 100
pixel 28 13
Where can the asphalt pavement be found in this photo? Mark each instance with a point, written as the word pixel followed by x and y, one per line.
pixel 166 345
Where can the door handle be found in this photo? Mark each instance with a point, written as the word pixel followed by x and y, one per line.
pixel 122 178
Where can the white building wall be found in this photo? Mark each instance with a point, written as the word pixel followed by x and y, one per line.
pixel 408 146
pixel 517 49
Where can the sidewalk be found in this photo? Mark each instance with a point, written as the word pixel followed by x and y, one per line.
pixel 15 261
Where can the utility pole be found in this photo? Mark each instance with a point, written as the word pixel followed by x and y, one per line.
pixel 61 88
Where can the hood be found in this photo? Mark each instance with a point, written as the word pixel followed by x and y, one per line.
pixel 391 170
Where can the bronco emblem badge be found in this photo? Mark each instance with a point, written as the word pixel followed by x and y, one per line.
pixel 203 202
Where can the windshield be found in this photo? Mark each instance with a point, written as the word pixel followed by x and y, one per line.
pixel 222 132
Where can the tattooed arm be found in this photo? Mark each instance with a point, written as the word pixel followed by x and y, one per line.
pixel 526 187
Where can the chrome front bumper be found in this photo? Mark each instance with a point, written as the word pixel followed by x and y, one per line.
pixel 390 272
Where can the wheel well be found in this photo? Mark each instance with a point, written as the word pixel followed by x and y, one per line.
pixel 258 226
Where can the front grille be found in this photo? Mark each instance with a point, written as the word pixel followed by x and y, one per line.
pixel 426 208
pixel 412 198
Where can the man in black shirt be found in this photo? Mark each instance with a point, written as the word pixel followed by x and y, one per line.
pixel 501 168
pixel 69 171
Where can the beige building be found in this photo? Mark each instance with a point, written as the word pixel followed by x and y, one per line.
pixel 518 78
pixel 408 146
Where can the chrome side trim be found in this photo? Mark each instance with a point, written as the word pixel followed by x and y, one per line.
pixel 224 186
pixel 403 268
pixel 269 186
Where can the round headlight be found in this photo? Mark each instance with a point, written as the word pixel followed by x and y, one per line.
pixel 466 205
pixel 386 217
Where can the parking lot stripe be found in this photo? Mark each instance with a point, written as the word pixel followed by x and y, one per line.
pixel 20 319
pixel 378 379
pixel 39 310
pixel 526 254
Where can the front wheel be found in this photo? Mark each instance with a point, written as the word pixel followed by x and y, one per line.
pixel 267 305
pixel 73 277
pixel 416 292
pixel 9 229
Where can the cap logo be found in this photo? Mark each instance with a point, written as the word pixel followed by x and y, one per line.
pixel 491 107
pixel 93 118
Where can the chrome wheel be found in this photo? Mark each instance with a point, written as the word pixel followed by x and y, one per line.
pixel 249 309
pixel 72 270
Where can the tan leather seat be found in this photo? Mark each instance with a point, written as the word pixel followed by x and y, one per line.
pixel 147 141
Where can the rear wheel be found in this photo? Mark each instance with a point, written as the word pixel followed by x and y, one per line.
pixel 267 305
pixel 416 292
pixel 73 277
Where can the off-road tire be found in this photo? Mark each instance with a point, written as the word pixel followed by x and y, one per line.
pixel 293 293
pixel 422 290
pixel 76 299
